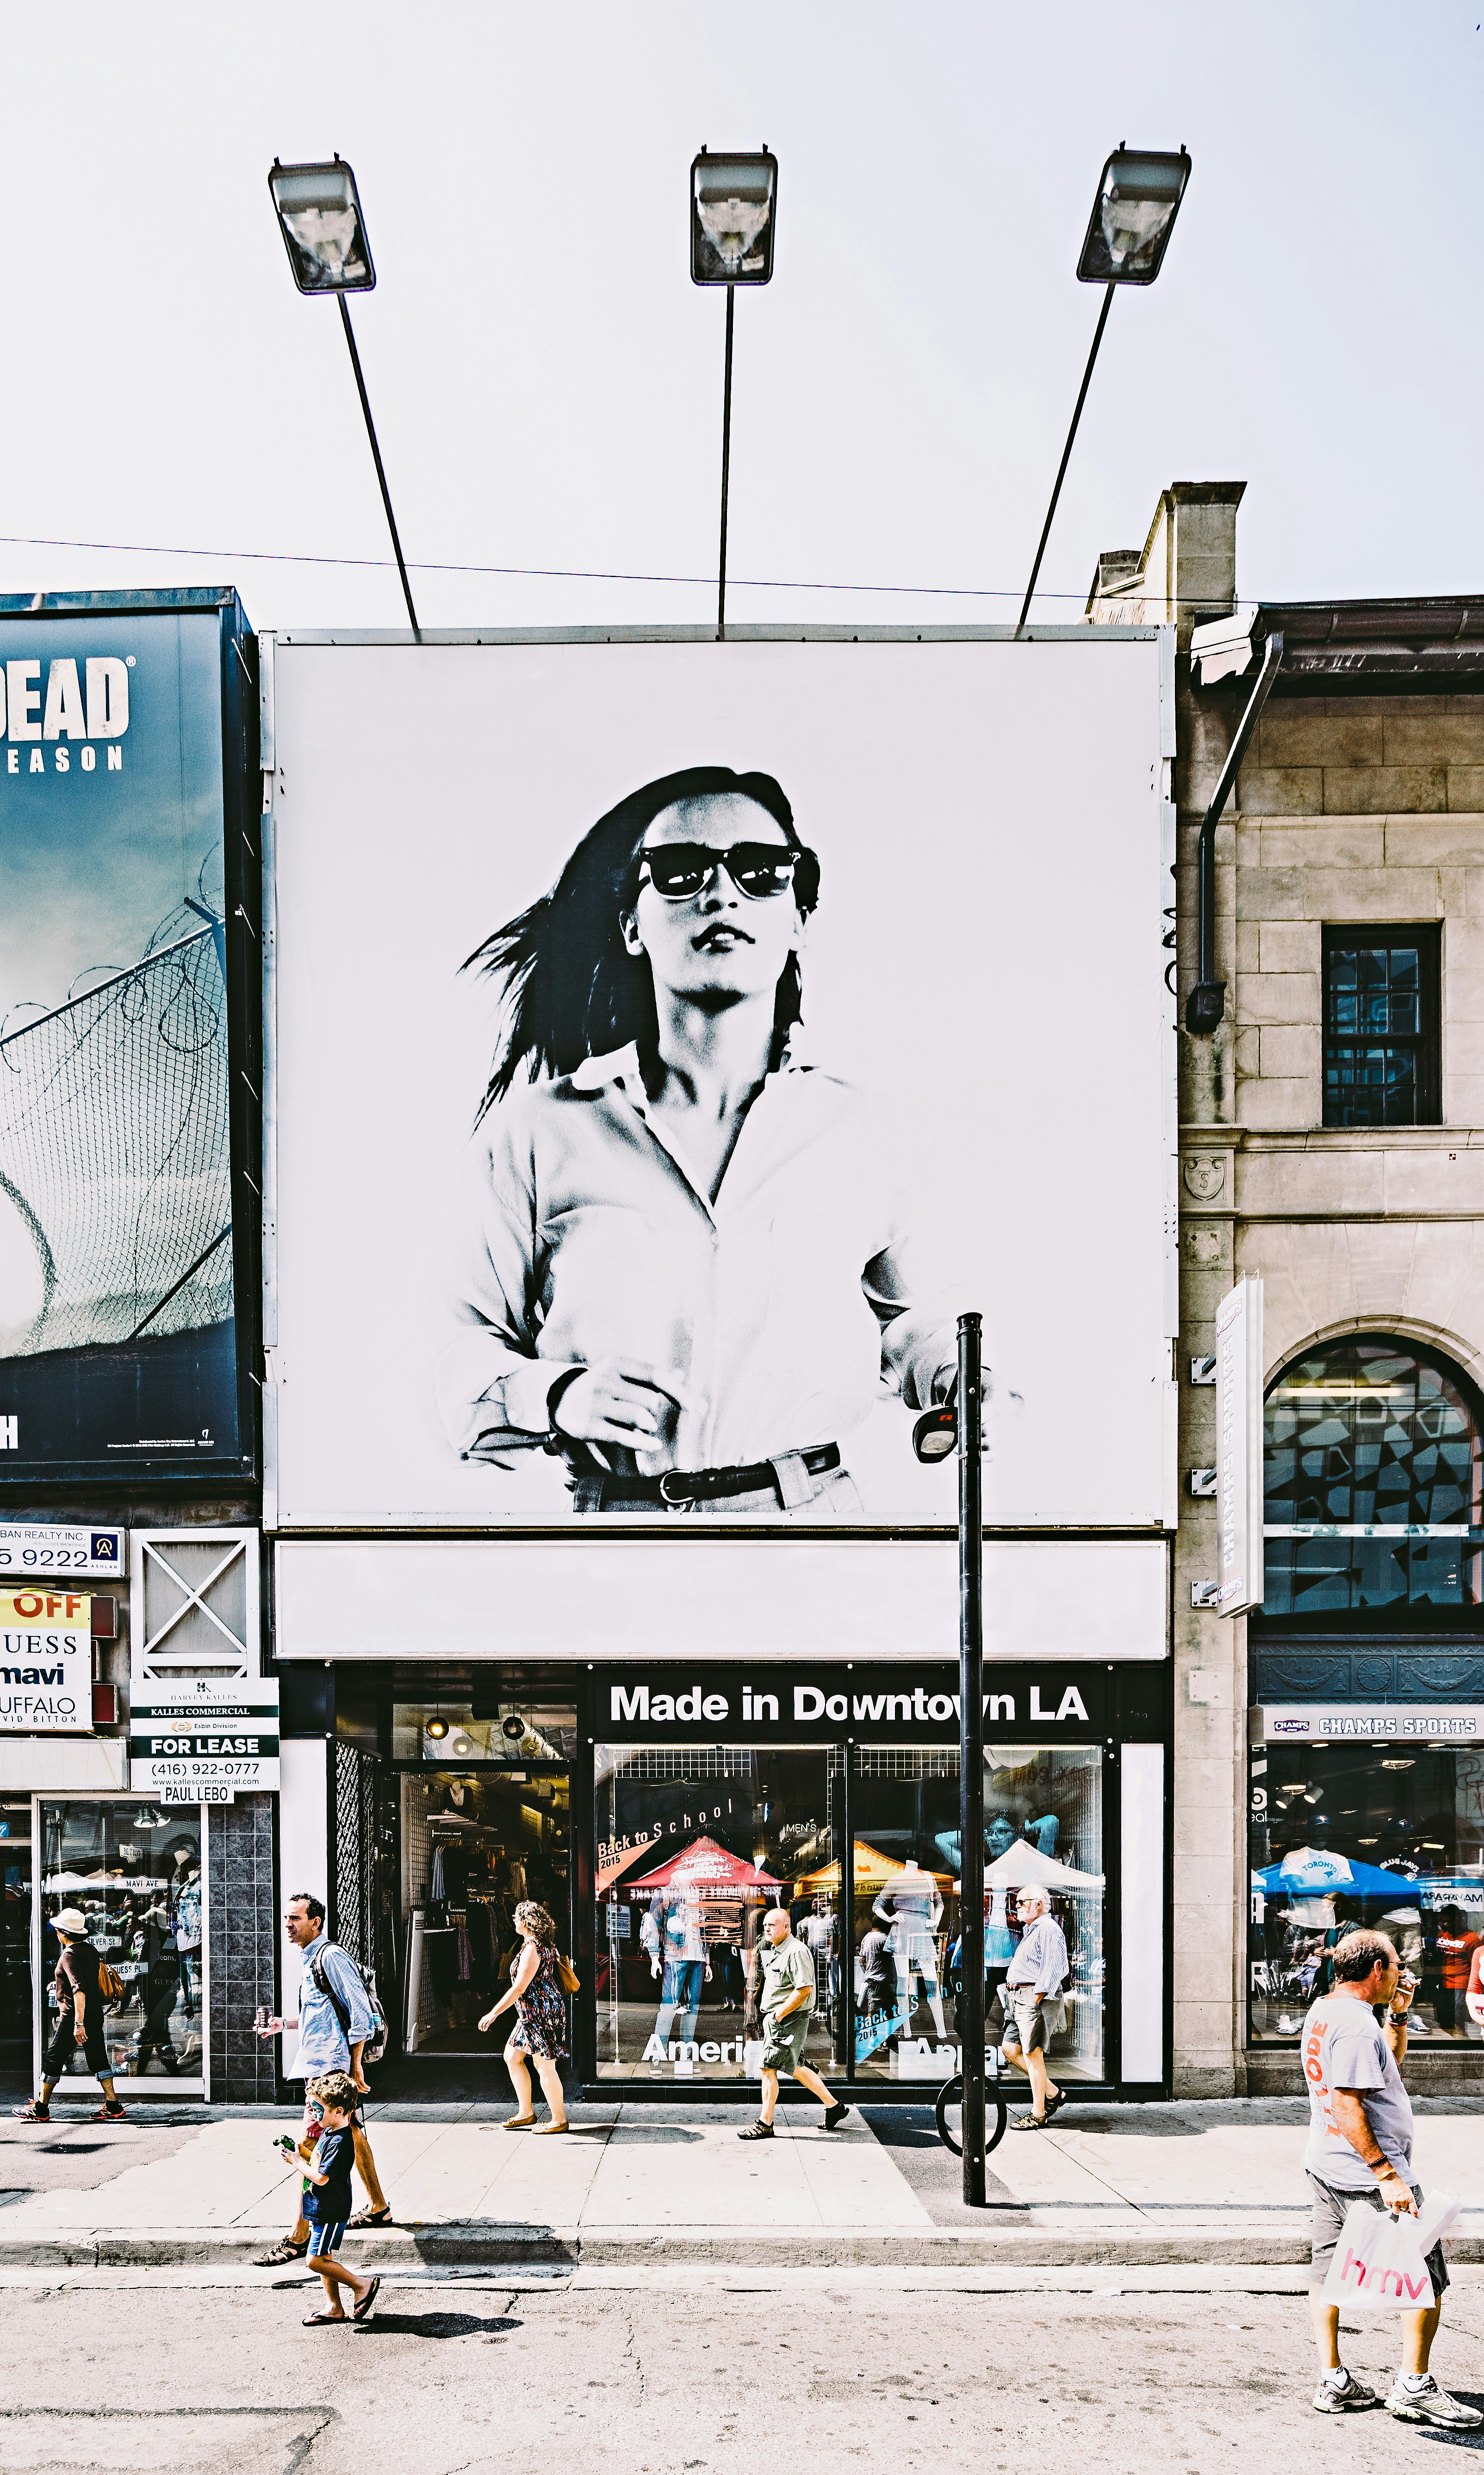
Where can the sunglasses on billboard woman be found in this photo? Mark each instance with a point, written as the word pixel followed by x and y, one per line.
pixel 679 871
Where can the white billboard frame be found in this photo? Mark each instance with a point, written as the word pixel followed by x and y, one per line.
pixel 285 1520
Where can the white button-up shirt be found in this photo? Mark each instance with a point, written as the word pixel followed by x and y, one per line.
pixel 775 1312
pixel 1040 1958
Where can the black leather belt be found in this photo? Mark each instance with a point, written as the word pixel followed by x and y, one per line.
pixel 677 1489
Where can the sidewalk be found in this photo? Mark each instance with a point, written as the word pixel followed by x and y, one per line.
pixel 1110 2185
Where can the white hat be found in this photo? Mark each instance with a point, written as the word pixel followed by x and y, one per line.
pixel 70 1921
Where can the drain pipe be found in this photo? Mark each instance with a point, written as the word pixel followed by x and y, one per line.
pixel 1207 1002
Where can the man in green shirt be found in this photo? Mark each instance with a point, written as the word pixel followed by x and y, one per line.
pixel 787 2000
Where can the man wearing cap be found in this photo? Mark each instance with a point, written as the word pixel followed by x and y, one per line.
pixel 78 2023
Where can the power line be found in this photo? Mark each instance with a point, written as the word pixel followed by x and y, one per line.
pixel 564 574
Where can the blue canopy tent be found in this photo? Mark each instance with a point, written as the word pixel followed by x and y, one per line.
pixel 1317 1869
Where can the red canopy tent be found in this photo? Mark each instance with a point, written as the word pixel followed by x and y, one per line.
pixel 705 1865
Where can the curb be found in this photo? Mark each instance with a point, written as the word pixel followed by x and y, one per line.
pixel 487 2244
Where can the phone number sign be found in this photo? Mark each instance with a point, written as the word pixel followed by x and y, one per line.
pixel 205 1743
pixel 37 1548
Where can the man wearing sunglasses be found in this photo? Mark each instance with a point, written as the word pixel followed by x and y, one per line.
pixel 685 1266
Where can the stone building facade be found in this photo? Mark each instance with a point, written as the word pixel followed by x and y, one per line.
pixel 1359 807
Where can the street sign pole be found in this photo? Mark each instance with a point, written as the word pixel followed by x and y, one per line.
pixel 971 1756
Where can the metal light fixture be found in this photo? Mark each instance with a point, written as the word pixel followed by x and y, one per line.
pixel 734 203
pixel 512 1727
pixel 319 212
pixel 1132 217
pixel 437 1729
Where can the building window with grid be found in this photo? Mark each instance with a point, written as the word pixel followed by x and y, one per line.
pixel 1382 1027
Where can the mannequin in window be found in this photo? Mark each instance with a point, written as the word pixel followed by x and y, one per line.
pixel 911 1904
pixel 688 1961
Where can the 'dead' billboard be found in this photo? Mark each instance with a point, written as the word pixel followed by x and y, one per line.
pixel 675 1038
pixel 117 1323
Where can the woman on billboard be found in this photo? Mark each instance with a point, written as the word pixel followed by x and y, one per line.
pixel 684 1267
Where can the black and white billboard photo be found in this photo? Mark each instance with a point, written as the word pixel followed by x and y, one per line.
pixel 683 1038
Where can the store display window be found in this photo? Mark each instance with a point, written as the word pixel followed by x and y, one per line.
pixel 474 1845
pixel 444 1731
pixel 695 1844
pixel 1385 1834
pixel 1043 1826
pixel 136 1872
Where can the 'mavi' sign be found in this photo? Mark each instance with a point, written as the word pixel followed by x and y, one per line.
pixel 876 1705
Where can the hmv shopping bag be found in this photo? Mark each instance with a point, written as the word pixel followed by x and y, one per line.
pixel 1379 2261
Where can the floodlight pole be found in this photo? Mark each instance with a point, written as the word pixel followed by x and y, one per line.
pixel 969 1402
pixel 371 433
pixel 727 459
pixel 1066 453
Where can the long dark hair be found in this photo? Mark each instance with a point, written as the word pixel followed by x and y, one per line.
pixel 571 988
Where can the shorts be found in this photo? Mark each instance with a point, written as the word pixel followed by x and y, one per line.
pixel 783 2041
pixel 326 2239
pixel 63 2042
pixel 1330 2209
pixel 1027 2023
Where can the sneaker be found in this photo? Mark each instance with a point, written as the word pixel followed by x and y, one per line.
pixel 1342 2396
pixel 835 2113
pixel 1431 2405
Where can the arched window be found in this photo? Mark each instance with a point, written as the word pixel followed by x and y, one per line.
pixel 1373 1481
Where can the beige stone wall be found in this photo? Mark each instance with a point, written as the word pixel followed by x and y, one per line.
pixel 1365 809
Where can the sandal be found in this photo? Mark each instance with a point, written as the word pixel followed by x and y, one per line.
pixel 32 2113
pixel 1028 2123
pixel 328 2320
pixel 518 2123
pixel 362 2310
pixel 1055 2104
pixel 372 2217
pixel 282 2253
pixel 757 2131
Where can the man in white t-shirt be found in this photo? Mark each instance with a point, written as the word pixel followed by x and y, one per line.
pixel 1360 2148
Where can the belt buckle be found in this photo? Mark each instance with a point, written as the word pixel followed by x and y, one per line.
pixel 675 1503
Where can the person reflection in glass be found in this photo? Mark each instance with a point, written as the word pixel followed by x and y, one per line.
pixel 686 1250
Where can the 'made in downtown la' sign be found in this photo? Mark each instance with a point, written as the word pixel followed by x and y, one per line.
pixel 807 1704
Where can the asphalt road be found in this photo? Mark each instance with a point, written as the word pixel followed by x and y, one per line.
pixel 687 2375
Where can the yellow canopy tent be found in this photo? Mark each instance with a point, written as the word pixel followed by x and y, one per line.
pixel 872 1873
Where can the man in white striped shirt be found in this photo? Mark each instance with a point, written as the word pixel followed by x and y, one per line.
pixel 1032 2002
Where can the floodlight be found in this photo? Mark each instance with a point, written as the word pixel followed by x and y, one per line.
pixel 732 202
pixel 935 1435
pixel 1132 217
pixel 324 229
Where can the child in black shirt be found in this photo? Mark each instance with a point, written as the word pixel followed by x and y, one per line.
pixel 327 2200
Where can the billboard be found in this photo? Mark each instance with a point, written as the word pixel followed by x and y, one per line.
pixel 120 760
pixel 672 1038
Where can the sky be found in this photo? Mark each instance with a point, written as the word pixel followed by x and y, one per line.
pixel 546 381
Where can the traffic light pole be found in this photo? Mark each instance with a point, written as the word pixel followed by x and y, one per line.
pixel 971 1754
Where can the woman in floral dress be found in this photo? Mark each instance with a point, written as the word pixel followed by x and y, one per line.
pixel 540 2032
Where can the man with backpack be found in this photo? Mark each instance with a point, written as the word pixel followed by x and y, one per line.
pixel 336 2023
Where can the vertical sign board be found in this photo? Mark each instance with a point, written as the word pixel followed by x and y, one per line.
pixel 46 1662
pixel 124 725
pixel 199 1741
pixel 1239 1447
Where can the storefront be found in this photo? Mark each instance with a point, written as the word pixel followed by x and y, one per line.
pixel 1366 1690
pixel 659 1810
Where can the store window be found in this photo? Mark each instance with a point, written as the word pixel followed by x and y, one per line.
pixel 137 1874
pixel 1387 1834
pixel 1374 1483
pixel 474 1845
pixel 444 1731
pixel 15 1934
pixel 694 1844
pixel 1043 1824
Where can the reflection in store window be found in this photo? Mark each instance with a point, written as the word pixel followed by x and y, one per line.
pixel 693 1845
pixel 1043 1824
pixel 134 1871
pixel 434 1731
pixel 1384 1835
